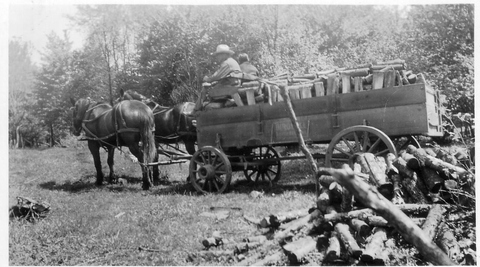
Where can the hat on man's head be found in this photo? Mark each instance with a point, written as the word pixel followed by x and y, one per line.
pixel 223 49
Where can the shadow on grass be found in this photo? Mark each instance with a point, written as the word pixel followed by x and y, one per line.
pixel 244 186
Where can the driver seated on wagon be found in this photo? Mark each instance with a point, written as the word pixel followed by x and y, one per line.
pixel 229 73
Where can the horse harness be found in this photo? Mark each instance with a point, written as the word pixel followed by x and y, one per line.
pixel 164 109
pixel 117 129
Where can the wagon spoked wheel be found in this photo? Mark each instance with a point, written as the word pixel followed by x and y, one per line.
pixel 210 170
pixel 402 142
pixel 263 167
pixel 357 139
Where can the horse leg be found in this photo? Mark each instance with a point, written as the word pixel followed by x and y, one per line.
pixel 156 173
pixel 189 145
pixel 94 148
pixel 111 154
pixel 147 182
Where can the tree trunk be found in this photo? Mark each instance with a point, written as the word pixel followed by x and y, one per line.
pixel 52 136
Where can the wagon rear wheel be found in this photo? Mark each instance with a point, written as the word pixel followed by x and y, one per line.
pixel 263 166
pixel 357 139
pixel 403 141
pixel 210 170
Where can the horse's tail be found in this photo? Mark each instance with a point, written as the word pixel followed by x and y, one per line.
pixel 148 139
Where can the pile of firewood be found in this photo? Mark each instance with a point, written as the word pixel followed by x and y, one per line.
pixel 418 189
pixel 371 76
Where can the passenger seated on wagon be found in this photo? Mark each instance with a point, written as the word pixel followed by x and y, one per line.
pixel 228 65
pixel 246 66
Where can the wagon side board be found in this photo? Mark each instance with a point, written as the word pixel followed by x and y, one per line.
pixel 397 111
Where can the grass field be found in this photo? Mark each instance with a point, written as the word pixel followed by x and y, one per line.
pixel 124 225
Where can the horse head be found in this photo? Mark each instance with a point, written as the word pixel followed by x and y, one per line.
pixel 80 107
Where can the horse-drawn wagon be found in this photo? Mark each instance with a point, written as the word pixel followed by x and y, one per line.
pixel 243 136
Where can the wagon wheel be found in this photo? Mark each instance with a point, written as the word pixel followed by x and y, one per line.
pixel 402 142
pixel 357 139
pixel 269 170
pixel 210 170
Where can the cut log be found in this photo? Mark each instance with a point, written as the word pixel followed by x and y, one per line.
pixel 360 227
pixel 367 79
pixel 372 166
pixel 403 169
pixel 275 220
pixel 448 243
pixel 332 84
pixel 297 250
pixel 336 192
pixel 402 223
pixel 319 89
pixel 345 216
pixel 356 72
pixel 357 84
pixel 244 247
pixel 404 77
pixel 326 180
pixel 390 66
pixel 412 162
pixel 375 244
pixel 377 82
pixel 432 180
pixel 389 79
pixel 347 239
pixel 397 189
pixel 414 191
pixel 398 79
pixel 295 225
pixel 470 257
pixel 333 250
pixel 432 162
pixel 412 78
pixel 323 200
pixel 379 221
pixel 346 85
pixel 434 217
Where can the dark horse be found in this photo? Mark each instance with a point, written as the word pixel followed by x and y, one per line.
pixel 128 123
pixel 172 124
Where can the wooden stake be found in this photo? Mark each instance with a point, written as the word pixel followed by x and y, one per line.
pixel 301 141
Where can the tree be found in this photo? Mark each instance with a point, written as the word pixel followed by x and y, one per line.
pixel 20 82
pixel 52 82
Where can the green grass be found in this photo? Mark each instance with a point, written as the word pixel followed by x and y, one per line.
pixel 106 225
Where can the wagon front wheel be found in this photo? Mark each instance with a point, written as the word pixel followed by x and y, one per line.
pixel 357 139
pixel 210 170
pixel 263 165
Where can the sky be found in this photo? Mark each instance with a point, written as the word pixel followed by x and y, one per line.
pixel 32 23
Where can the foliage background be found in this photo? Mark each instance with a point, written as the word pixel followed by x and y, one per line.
pixel 164 51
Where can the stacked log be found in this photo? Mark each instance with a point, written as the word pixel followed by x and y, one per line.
pixel 331 234
pixel 370 76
